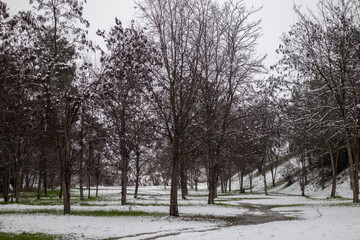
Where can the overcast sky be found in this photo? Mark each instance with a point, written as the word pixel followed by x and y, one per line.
pixel 276 15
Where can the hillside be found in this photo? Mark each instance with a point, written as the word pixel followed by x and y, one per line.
pixel 312 189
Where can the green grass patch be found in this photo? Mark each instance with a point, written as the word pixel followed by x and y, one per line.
pixel 118 214
pixel 241 199
pixel 350 204
pixel 198 195
pixel 26 236
pixel 341 198
pixel 152 204
pixel 97 213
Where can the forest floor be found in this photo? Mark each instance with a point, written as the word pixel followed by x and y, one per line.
pixel 234 216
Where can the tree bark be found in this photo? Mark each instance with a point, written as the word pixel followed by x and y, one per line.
pixel 264 171
pixel 212 184
pixel 124 177
pixel 38 192
pixel 250 179
pixel 183 179
pixel 333 169
pixel 174 211
pixel 137 173
pixel 81 157
pixel 89 167
pixel 6 178
pixel 230 184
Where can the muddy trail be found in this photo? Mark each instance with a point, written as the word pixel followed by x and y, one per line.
pixel 257 214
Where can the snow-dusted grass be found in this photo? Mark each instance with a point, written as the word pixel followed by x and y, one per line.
pixel 146 217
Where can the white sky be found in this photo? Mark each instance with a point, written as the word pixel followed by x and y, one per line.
pixel 276 15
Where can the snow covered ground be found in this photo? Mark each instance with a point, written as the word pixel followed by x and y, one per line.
pixel 256 216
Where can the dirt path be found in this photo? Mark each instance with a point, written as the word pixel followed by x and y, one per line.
pixel 257 214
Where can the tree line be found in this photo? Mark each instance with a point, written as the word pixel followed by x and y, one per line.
pixel 175 100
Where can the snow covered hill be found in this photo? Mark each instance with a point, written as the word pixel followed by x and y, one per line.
pixel 312 189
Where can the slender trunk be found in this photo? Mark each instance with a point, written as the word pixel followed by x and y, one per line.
pixel 124 177
pixel 250 179
pixel 81 157
pixel 242 190
pixel 351 167
pixel 67 164
pixel 81 181
pixel 196 180
pixel 97 185
pixel 6 178
pixel 272 174
pixel 356 170
pixel 45 178
pixel 89 167
pixel 333 170
pixel 225 184
pixel 174 211
pixel 264 171
pixel 265 184
pixel 61 189
pixel 322 172
pixel 302 175
pixel 89 187
pixel 38 192
pixel 137 173
pixel 124 156
pixel 183 179
pixel 222 184
pixel 16 185
pixel 230 184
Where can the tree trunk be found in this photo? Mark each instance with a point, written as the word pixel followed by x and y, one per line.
pixel 174 211
pixel 212 184
pixel 89 167
pixel 124 177
pixel 222 184
pixel 230 184
pixel 303 174
pixel 242 190
pixel 265 184
pixel 6 178
pixel 137 173
pixel 81 157
pixel 16 185
pixel 356 170
pixel 250 179
pixel 38 192
pixel 45 178
pixel 61 189
pixel 264 171
pixel 66 190
pixel 97 185
pixel 322 172
pixel 89 185
pixel 333 170
pixel 196 180
pixel 183 179
pixel 352 169
pixel 67 163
